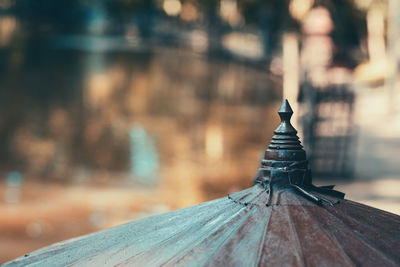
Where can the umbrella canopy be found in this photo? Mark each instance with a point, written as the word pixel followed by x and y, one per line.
pixel 282 220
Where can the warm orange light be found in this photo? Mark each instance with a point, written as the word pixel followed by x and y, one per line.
pixel 299 8
pixel 172 7
pixel 214 142
pixel 7 28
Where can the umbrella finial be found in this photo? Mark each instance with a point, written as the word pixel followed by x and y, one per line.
pixel 285 164
pixel 285 144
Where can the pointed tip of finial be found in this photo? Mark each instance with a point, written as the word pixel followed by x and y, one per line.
pixel 285 112
pixel 285 107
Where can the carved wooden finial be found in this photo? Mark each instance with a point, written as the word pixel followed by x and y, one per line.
pixel 285 164
pixel 285 144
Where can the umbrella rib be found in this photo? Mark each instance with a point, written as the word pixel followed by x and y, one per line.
pixel 383 214
pixel 141 253
pixel 295 235
pixel 65 247
pixel 264 234
pixel 331 237
pixel 247 203
pixel 199 240
pixel 362 240
pixel 358 222
pixel 175 236
pixel 227 238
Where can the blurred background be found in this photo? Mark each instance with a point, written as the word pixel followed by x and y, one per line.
pixel 112 111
